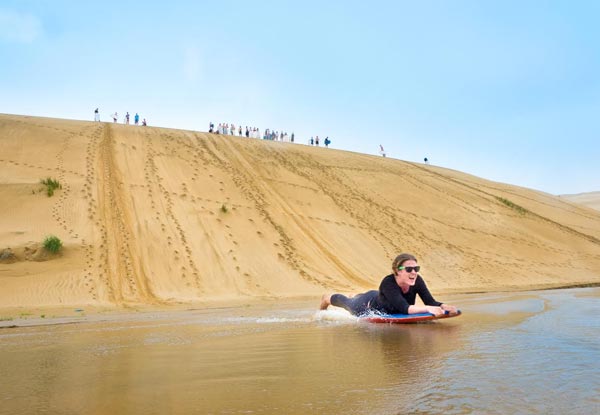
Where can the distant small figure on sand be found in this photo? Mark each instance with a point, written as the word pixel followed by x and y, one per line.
pixel 327 141
pixel 144 122
pixel 426 160
pixel 127 118
pixel 96 115
pixel 115 117
pixel 381 150
pixel 317 140
pixel 136 119
pixel 292 137
pixel 312 141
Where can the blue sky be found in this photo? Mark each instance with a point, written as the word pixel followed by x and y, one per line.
pixel 505 90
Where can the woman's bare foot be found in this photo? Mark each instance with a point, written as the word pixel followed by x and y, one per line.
pixel 325 301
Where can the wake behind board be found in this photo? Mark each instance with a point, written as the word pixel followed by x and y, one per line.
pixel 405 318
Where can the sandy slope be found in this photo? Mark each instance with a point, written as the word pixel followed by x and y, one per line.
pixel 157 216
pixel 591 199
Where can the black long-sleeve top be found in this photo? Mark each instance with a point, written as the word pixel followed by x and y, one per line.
pixel 392 300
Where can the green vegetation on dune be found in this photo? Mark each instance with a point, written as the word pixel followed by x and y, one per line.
pixel 51 185
pixel 52 243
pixel 512 205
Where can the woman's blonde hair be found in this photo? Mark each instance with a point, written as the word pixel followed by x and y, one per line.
pixel 401 259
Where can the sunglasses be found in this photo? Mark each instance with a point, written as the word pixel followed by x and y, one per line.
pixel 410 269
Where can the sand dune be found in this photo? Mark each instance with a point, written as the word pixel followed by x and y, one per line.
pixel 591 199
pixel 161 216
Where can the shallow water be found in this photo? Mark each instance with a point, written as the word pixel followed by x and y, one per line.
pixel 535 352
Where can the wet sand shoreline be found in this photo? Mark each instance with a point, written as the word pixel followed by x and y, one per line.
pixel 49 316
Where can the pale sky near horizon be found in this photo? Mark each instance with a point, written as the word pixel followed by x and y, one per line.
pixel 504 90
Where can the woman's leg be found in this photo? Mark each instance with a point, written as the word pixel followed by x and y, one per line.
pixel 356 305
pixel 325 301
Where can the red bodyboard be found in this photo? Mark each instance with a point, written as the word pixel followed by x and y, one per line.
pixel 405 318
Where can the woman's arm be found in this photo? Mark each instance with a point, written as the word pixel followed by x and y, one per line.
pixel 431 305
pixel 416 309
pixel 435 310
pixel 423 291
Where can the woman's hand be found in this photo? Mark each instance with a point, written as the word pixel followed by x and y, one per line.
pixel 436 311
pixel 449 308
